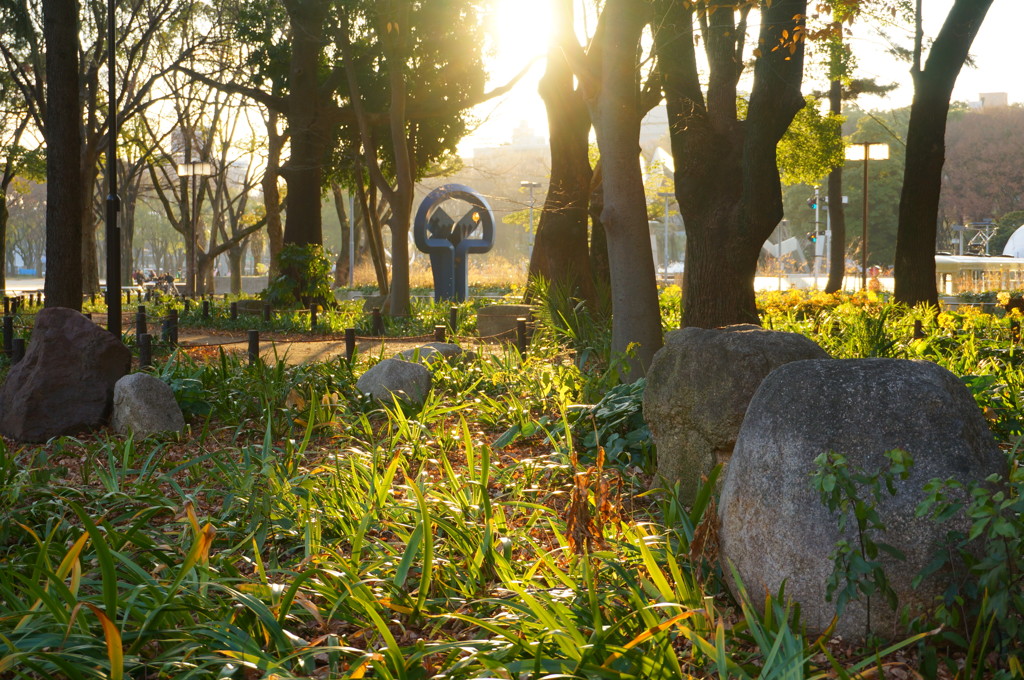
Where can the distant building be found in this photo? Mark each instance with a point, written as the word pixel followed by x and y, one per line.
pixel 991 100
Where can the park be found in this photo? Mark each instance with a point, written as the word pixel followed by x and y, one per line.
pixel 713 368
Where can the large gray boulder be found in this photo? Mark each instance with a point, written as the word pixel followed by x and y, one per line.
pixel 145 405
pixel 65 383
pixel 393 379
pixel 698 388
pixel 775 529
pixel 499 321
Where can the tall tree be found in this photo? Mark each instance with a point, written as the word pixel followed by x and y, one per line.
pixel 63 285
pixel 922 179
pixel 560 253
pixel 727 177
pixel 610 78
pixel 146 25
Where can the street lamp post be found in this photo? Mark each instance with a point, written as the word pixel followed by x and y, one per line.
pixel 526 184
pixel 193 169
pixel 866 151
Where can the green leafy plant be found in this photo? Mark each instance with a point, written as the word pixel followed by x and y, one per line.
pixel 852 493
pixel 305 277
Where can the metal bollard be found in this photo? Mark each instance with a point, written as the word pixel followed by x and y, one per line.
pixel 266 313
pixel 254 347
pixel 149 295
pixel 8 334
pixel 453 319
pixel 18 352
pixel 521 335
pixel 172 327
pixel 378 322
pixel 439 333
pixel 234 311
pixel 918 329
pixel 206 309
pixel 312 316
pixel 145 350
pixel 350 343
pixel 141 325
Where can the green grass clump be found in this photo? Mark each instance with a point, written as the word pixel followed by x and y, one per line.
pixel 501 529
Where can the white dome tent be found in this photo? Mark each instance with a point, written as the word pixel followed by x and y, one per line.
pixel 1015 246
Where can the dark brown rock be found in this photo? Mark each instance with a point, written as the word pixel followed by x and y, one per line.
pixel 65 383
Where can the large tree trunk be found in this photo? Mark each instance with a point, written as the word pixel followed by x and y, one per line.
pixel 341 268
pixel 727 178
pixel 306 124
pixel 926 149
pixel 63 286
pixel 560 253
pixel 598 239
pixel 836 210
pixel 4 216
pixel 271 194
pixel 235 255
pixel 636 316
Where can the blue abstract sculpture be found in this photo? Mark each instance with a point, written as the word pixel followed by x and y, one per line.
pixel 447 241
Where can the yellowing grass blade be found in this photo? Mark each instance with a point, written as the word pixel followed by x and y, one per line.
pixel 360 671
pixel 70 563
pixel 648 634
pixel 395 607
pixel 190 510
pixel 115 652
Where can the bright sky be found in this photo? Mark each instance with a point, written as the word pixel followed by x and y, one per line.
pixel 524 31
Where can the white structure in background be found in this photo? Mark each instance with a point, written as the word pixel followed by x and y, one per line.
pixel 1015 246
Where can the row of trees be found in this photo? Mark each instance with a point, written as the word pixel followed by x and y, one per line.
pixel 728 183
pixel 372 94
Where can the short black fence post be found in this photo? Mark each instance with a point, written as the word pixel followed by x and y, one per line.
pixel 206 309
pixel 8 334
pixel 378 322
pixel 453 319
pixel 172 327
pixel 254 346
pixel 521 335
pixel 266 313
pixel 92 298
pixel 312 316
pixel 149 294
pixel 145 350
pixel 188 305
pixel 918 329
pixel 350 343
pixel 7 305
pixel 439 333
pixel 141 325
pixel 234 311
pixel 18 353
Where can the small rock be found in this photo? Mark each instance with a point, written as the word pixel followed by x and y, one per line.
pixel 430 352
pixel 145 405
pixel 394 378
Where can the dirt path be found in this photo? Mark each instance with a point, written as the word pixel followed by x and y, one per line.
pixel 299 348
